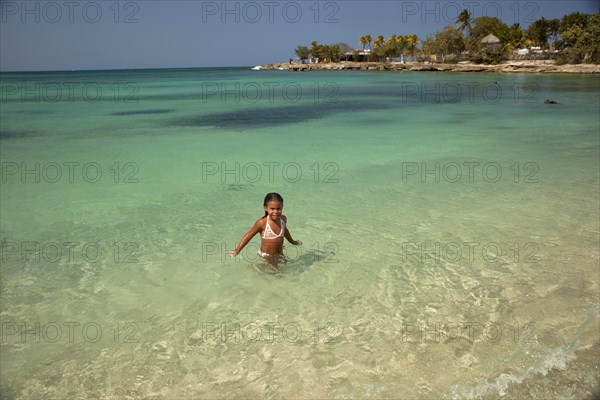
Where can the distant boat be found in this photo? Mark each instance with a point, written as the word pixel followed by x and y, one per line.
pixel 256 68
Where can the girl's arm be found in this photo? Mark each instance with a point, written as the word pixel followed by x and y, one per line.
pixel 288 236
pixel 247 237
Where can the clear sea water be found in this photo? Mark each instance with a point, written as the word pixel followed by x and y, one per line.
pixel 449 223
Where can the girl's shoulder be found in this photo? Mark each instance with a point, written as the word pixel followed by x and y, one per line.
pixel 262 222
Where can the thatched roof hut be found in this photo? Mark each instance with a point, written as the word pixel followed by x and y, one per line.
pixel 492 43
pixel 490 39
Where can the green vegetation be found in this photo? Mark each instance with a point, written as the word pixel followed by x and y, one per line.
pixel 579 39
pixel 328 52
pixel 573 39
pixel 449 41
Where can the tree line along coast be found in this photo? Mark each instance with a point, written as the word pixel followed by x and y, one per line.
pixel 480 41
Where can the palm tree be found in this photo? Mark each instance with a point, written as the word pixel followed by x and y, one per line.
pixel 517 38
pixel 412 42
pixel 366 42
pixel 369 40
pixel 302 53
pixel 378 46
pixel 363 40
pixel 391 47
pixel 315 50
pixel 463 21
pixel 401 43
pixel 332 52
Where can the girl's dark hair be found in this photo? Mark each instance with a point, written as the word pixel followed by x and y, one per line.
pixel 272 197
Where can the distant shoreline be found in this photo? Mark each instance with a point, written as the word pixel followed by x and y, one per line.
pixel 507 67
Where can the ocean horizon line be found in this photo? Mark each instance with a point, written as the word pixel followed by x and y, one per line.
pixel 123 69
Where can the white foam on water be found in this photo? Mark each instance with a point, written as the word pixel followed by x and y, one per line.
pixel 554 358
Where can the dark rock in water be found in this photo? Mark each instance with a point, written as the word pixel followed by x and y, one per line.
pixel 274 116
pixel 236 187
pixel 13 134
pixel 548 101
pixel 143 112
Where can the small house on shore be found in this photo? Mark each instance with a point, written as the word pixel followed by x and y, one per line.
pixel 359 55
pixel 491 42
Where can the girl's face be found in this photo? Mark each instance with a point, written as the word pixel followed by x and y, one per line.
pixel 274 209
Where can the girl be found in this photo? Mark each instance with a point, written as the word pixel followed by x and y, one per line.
pixel 272 228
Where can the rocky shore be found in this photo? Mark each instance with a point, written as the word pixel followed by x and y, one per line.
pixel 508 67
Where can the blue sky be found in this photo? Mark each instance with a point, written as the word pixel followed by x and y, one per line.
pixel 71 34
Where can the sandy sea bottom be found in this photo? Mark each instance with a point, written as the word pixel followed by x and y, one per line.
pixel 450 239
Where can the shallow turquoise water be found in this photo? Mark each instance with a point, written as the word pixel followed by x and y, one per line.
pixel 450 228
